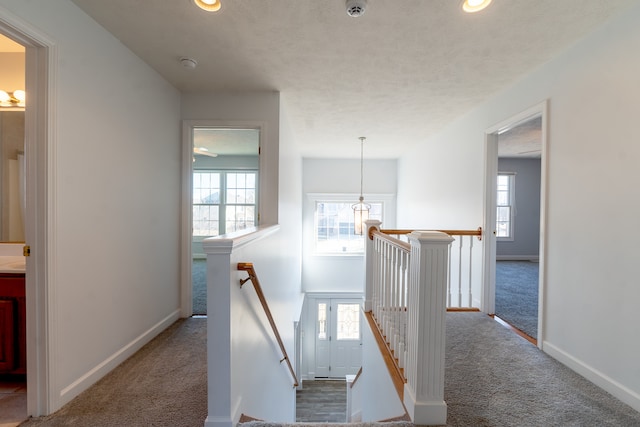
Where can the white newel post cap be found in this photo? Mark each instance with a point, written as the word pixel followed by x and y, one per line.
pixel 429 236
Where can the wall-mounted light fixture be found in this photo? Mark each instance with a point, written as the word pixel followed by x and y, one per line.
pixel 471 6
pixel 13 99
pixel 208 5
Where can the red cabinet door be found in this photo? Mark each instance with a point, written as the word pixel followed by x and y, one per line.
pixel 7 339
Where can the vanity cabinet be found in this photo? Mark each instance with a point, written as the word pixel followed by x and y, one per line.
pixel 13 348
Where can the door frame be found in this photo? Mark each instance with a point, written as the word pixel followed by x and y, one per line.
pixel 186 287
pixel 490 184
pixel 40 141
pixel 307 347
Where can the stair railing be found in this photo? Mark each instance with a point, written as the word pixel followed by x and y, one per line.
pixel 248 267
pixel 461 275
pixel 405 298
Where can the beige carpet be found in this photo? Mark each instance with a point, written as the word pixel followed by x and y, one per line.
pixel 164 384
pixel 493 378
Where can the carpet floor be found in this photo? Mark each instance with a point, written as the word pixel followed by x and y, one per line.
pixel 493 378
pixel 517 295
pixel 199 286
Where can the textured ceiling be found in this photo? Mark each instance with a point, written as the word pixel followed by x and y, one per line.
pixel 522 141
pixel 395 75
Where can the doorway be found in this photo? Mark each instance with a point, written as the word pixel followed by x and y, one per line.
pixel 515 200
pixel 338 337
pixel 518 225
pixel 221 195
pixel 35 73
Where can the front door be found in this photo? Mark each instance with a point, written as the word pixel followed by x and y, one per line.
pixel 338 338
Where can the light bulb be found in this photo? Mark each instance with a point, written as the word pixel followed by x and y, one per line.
pixel 208 5
pixel 20 95
pixel 471 6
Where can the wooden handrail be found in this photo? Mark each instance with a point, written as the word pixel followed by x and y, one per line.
pixel 248 267
pixel 477 232
pixel 355 380
pixel 389 238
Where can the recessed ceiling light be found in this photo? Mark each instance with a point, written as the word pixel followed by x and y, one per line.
pixel 208 5
pixel 471 6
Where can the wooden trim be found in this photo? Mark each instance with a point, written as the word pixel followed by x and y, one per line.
pixel 356 378
pixel 462 309
pixel 477 232
pixel 248 267
pixel 514 329
pixel 397 374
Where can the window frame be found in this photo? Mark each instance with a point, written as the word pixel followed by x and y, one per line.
pixel 383 199
pixel 511 205
pixel 222 198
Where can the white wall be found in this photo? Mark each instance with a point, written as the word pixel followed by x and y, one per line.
pixel 115 182
pixel 590 289
pixel 341 176
pixel 261 386
pixel 380 400
pixel 234 108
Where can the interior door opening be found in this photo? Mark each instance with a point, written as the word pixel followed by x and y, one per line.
pixel 223 190
pixel 515 206
pixel 518 225
pixel 13 335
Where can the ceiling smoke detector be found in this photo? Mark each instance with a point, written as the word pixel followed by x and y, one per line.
pixel 189 63
pixel 356 8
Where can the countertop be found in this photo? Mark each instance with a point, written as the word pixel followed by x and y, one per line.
pixel 12 264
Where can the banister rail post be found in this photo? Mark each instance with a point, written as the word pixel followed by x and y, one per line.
pixel 369 267
pixel 218 332
pixel 426 307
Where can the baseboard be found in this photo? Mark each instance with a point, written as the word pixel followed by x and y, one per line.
pixel 532 258
pixel 99 371
pixel 608 384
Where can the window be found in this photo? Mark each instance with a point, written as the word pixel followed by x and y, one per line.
pixel 348 317
pixel 334 231
pixel 322 321
pixel 218 212
pixel 505 205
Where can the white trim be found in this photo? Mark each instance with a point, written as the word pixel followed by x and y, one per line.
pixel 488 295
pixel 603 381
pixel 110 363
pixel 41 67
pixel 491 169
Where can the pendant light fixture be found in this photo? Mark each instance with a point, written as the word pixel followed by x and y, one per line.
pixel 360 209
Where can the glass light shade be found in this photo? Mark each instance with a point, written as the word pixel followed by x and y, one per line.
pixel 208 5
pixel 360 215
pixel 4 96
pixel 20 95
pixel 471 6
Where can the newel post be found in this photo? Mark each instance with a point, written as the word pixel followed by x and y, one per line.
pixel 218 332
pixel 369 263
pixel 424 389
